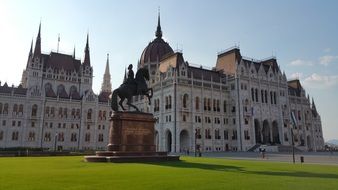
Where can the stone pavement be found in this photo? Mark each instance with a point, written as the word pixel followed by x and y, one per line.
pixel 309 157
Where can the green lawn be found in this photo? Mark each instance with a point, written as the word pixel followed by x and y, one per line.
pixel 25 173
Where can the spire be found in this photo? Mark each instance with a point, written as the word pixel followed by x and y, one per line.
pixel 314 109
pixel 106 84
pixel 74 52
pixel 107 66
pixel 125 75
pixel 31 50
pixel 37 50
pixel 158 33
pixel 86 60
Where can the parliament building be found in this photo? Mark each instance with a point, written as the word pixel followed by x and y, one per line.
pixel 238 105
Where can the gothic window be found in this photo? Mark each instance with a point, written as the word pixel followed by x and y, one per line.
pixel 266 96
pixel 275 97
pixel 65 112
pixel 52 111
pixel 89 114
pixel 15 109
pixel 61 137
pixel 169 102
pixel 217 106
pixel 78 113
pixel 198 133
pixel 15 136
pixel 262 95
pixel 256 94
pixel 48 87
pixel 185 100
pixel 34 110
pixel 47 137
pixel 21 108
pixel 226 135
pixel 100 115
pixel 271 97
pixel 73 137
pixel 73 113
pixel 72 90
pixel 246 135
pixel 209 104
pixel 87 137
pixel 60 112
pixel 104 115
pixel 60 89
pixel 1 135
pixel 225 106
pixel 197 103
pixel 253 94
pixel 234 135
pixel 0 108
pixel 5 111
pixel 100 137
pixel 31 136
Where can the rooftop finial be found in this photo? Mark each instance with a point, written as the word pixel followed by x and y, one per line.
pixel 158 33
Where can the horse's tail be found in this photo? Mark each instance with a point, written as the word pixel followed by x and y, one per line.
pixel 113 102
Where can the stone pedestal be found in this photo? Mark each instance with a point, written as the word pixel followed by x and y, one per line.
pixel 131 139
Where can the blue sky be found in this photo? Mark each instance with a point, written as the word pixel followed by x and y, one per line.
pixel 302 34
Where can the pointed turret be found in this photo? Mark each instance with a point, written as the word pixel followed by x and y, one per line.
pixel 30 54
pixel 314 109
pixel 37 50
pixel 125 75
pixel 158 33
pixel 106 84
pixel 74 53
pixel 86 60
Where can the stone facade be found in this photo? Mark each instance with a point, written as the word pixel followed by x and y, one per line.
pixel 55 107
pixel 238 105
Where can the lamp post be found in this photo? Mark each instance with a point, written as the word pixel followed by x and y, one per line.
pixel 195 142
pixel 55 140
pixel 294 121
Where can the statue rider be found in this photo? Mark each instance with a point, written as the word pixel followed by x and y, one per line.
pixel 130 75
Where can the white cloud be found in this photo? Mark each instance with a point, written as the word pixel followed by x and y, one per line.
pixel 327 50
pixel 327 59
pixel 321 81
pixel 296 76
pixel 300 62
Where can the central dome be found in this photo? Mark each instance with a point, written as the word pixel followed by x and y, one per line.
pixel 156 49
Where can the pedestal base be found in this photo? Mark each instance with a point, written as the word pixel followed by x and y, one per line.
pixel 118 156
pixel 131 139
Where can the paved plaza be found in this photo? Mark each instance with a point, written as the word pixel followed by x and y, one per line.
pixel 309 157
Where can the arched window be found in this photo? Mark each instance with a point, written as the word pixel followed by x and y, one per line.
pixel 65 112
pixel 197 103
pixel 73 113
pixel 1 135
pixel 5 111
pixel 60 112
pixel 217 106
pixel 100 137
pixel 73 137
pixel 100 115
pixel 209 104
pixel 225 106
pixel 262 95
pixel 15 109
pixel 256 94
pixel 72 90
pixel 61 88
pixel 89 114
pixel 169 102
pixel 104 115
pixel 252 94
pixel 31 136
pixel 34 110
pixel 87 137
pixel 266 96
pixel 185 100
pixel 21 108
pixel 52 111
pixel 48 87
pixel 78 113
pixel 0 108
pixel 205 104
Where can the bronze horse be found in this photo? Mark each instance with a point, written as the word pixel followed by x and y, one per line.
pixel 129 89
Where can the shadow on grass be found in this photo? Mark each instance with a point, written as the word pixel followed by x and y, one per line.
pixel 227 168
pixel 294 174
pixel 193 165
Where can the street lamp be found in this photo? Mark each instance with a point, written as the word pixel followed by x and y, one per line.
pixel 195 142
pixel 55 140
pixel 294 121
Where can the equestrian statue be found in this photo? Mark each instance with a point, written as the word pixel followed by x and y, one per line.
pixel 132 87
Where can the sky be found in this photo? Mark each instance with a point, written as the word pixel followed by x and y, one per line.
pixel 302 34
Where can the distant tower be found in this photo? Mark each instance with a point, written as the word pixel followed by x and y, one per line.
pixel 106 84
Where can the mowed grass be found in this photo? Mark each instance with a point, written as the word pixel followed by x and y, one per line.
pixel 36 173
